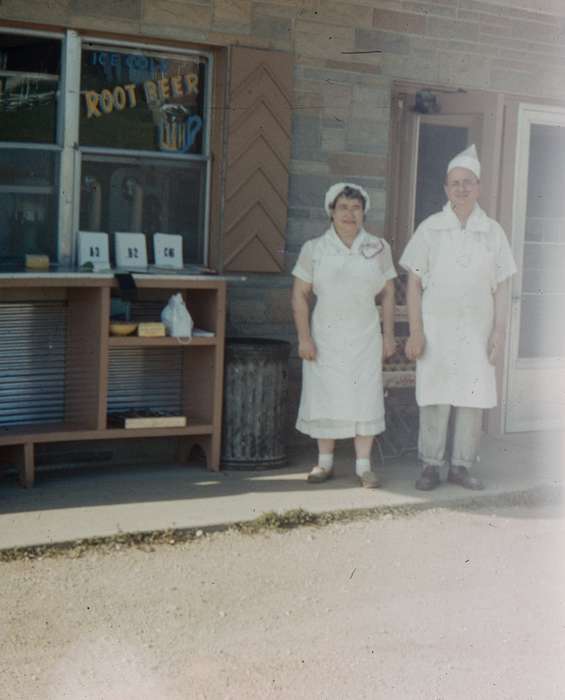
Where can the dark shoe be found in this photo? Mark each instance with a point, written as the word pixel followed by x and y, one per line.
pixel 461 477
pixel 429 478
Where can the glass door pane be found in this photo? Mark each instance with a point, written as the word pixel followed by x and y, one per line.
pixel 542 331
pixel 437 144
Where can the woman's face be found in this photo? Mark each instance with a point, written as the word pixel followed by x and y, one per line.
pixel 347 215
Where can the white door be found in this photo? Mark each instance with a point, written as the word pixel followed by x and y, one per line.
pixel 535 392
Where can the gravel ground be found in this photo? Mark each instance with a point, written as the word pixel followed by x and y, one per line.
pixel 439 605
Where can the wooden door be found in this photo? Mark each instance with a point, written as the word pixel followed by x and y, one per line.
pixel 426 144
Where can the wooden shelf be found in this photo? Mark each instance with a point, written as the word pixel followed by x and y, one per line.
pixel 65 433
pixel 137 342
pixel 87 382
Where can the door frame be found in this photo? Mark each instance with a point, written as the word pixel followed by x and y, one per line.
pixel 519 117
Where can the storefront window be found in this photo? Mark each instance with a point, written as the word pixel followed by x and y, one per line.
pixel 28 221
pixel 29 89
pixel 141 120
pixel 29 83
pixel 142 100
pixel 135 194
pixel 151 105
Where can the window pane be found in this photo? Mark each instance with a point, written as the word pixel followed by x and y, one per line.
pixel 149 196
pixel 28 208
pixel 142 100
pixel 29 84
pixel 542 331
pixel 437 146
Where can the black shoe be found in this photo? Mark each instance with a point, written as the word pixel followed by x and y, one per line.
pixel 461 477
pixel 429 478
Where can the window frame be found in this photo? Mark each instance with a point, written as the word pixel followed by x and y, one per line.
pixel 70 153
pixel 57 146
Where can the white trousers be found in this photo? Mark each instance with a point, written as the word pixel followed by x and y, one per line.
pixel 432 437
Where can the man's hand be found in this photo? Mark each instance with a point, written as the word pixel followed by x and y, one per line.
pixel 306 349
pixel 389 346
pixel 415 346
pixel 495 346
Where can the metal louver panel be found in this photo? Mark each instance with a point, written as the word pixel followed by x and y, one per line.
pixel 145 378
pixel 32 362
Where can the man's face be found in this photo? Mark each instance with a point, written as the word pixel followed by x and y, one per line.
pixel 462 189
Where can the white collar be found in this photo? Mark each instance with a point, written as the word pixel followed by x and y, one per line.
pixel 357 241
pixel 447 218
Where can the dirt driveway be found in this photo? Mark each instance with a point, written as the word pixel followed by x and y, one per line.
pixel 439 605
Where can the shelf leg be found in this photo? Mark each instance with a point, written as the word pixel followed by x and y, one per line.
pixel 22 457
pixel 26 465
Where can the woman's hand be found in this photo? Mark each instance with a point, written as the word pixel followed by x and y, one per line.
pixel 306 349
pixel 415 346
pixel 389 346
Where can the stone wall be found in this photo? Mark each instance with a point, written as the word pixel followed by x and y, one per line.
pixel 347 55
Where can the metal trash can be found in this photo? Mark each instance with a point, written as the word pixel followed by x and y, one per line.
pixel 255 403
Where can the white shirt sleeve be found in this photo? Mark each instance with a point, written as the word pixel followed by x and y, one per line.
pixel 304 268
pixel 504 260
pixel 416 256
pixel 387 266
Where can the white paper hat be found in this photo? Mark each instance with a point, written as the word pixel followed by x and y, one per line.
pixel 335 190
pixel 467 159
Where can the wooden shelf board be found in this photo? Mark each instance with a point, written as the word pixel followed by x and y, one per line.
pixel 60 432
pixel 135 341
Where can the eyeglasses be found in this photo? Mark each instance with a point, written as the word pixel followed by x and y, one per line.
pixel 466 184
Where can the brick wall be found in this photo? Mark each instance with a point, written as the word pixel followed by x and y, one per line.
pixel 347 54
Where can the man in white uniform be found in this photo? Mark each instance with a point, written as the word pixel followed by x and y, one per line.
pixel 458 262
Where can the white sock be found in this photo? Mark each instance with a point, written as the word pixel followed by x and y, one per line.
pixel 362 466
pixel 326 461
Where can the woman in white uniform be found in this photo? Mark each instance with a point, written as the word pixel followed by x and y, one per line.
pixel 342 347
pixel 458 262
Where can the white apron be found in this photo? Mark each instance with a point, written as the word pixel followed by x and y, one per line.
pixel 344 382
pixel 458 313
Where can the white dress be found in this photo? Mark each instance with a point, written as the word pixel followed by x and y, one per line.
pixel 342 390
pixel 460 269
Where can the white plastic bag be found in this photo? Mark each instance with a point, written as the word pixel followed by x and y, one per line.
pixel 176 318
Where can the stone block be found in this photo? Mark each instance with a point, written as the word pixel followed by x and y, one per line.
pixel 277 30
pixel 308 190
pixel 288 10
pixel 451 29
pixel 430 8
pixel 177 14
pixel 126 9
pixel 278 305
pixel 306 131
pixel 322 40
pixel 248 311
pixel 401 22
pixel 48 12
pixel 356 165
pixel 337 12
pixel 333 140
pixel 513 81
pixel 465 70
pixel 307 104
pixel 385 42
pixel 536 31
pixel 232 12
pixel 422 66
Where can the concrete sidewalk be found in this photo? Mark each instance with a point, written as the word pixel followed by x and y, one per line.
pixel 69 505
